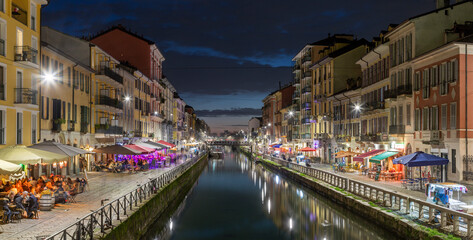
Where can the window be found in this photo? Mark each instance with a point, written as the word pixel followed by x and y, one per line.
pixel 425 83
pixel 69 76
pixel 33 129
pixel 453 116
pixel 87 84
pixel 33 16
pixel 425 119
pixel 2 5
pixel 417 120
pixel 3 34
pixel 19 128
pixel 408 114
pixel 443 79
pixel 69 111
pixel 2 83
pixel 401 121
pixel 454 76
pixel 417 82
pixel 408 79
pixel 444 117
pixel 454 160
pixel 2 126
pixel 434 76
pixel 434 118
pixel 393 115
pixel 61 73
pixel 81 81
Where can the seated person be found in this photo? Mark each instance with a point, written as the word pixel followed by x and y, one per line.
pixel 32 205
pixel 8 212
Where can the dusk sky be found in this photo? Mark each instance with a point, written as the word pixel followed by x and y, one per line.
pixel 225 56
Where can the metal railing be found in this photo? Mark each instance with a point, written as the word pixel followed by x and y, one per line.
pixel 106 100
pixel 111 74
pixel 25 96
pixel 19 14
pixel 26 54
pixel 452 221
pixel 119 209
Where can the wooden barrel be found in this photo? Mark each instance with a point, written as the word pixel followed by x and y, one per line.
pixel 46 202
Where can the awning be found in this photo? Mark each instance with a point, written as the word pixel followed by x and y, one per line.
pixel 142 149
pixel 20 154
pixel 59 148
pixel 117 149
pixel 149 144
pixel 307 149
pixel 276 145
pixel 166 143
pixel 360 157
pixel 383 156
pixel 344 154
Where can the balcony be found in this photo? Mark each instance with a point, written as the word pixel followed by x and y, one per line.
pixel 320 97
pixel 57 125
pixel 295 136
pixel 152 95
pixel 157 117
pixel 296 68
pixel 297 108
pixel 374 138
pixel 84 127
pixel 433 137
pixel 397 129
pixel 27 56
pixel 305 136
pixel 71 126
pixel 108 101
pixel 138 133
pixel 306 90
pixel 400 90
pixel 371 106
pixel 296 95
pixel 25 96
pixel 306 59
pixel 307 106
pixel 19 14
pixel 144 113
pixel 307 74
pixel 106 71
pixel 305 120
pixel 107 129
pixel 322 136
pixel 342 138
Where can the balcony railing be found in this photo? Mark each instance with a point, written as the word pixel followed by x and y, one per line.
pixel 138 133
pixel 107 129
pixel 400 90
pixel 19 14
pixel 71 126
pixel 25 96
pixel 307 74
pixel 307 105
pixel 110 73
pixel 296 95
pixel 306 90
pixel 57 126
pixel 342 138
pixel 305 136
pixel 297 80
pixel 431 136
pixel 320 97
pixel 108 101
pixel 306 58
pixel 374 138
pixel 296 67
pixel 322 136
pixel 84 127
pixel 374 106
pixel 297 108
pixel 26 54
pixel 397 129
pixel 295 136
pixel 305 120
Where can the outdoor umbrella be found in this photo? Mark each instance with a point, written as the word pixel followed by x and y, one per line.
pixel 59 148
pixel 11 171
pixel 419 159
pixel 117 149
pixel 20 154
pixel 276 145
pixel 307 149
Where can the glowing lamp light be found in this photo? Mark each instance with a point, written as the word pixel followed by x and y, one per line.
pixel 48 77
pixel 291 113
pixel 127 98
pixel 357 107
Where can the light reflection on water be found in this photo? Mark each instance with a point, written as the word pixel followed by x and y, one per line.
pixel 237 199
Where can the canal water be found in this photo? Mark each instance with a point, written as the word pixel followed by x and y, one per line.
pixel 235 198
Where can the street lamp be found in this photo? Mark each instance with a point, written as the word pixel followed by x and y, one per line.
pixel 127 98
pixel 357 107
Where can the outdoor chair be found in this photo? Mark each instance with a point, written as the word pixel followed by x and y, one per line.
pixel 15 216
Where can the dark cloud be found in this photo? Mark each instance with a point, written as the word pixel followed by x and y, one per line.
pixel 229 112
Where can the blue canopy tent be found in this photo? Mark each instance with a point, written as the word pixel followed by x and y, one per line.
pixel 420 159
pixel 276 145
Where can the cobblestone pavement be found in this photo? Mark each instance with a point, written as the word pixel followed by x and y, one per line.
pixel 392 185
pixel 102 185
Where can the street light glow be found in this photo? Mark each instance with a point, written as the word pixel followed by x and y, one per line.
pixel 269 124
pixel 291 113
pixel 48 77
pixel 127 98
pixel 357 107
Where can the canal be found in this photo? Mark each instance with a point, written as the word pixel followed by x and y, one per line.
pixel 235 198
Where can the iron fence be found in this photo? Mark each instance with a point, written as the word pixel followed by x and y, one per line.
pixel 100 220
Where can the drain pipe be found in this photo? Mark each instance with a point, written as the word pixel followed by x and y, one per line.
pixel 466 104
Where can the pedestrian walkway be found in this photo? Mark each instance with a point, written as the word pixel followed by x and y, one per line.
pixel 391 185
pixel 102 186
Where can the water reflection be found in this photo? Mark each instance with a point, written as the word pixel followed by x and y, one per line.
pixel 237 199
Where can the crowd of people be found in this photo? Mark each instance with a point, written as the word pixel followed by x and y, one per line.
pixel 20 199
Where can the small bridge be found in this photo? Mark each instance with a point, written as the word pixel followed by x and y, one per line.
pixel 228 143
